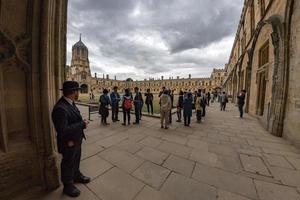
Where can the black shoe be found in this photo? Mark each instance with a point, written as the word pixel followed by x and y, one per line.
pixel 136 123
pixel 162 127
pixel 117 120
pixel 71 190
pixel 166 127
pixel 124 124
pixel 178 120
pixel 82 179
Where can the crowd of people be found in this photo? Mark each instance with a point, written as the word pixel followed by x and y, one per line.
pixel 185 104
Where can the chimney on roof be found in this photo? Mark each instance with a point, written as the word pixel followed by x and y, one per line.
pixel 95 75
pixel 190 76
pixel 107 76
pixel 115 78
pixel 162 77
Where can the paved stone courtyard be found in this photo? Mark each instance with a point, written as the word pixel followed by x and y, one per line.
pixel 223 158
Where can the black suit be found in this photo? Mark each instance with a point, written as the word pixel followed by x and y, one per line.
pixel 69 126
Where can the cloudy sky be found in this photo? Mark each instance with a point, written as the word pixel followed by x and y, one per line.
pixel 154 38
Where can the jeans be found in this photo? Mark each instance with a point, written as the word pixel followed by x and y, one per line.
pixel 137 111
pixel 223 106
pixel 199 115
pixel 114 112
pixel 187 120
pixel 150 107
pixel 126 112
pixel 241 109
pixel 179 113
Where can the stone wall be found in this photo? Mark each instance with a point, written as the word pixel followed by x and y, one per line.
pixel 32 59
pixel 292 123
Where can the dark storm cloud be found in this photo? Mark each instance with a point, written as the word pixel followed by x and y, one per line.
pixel 154 37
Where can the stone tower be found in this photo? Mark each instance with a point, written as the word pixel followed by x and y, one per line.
pixel 80 60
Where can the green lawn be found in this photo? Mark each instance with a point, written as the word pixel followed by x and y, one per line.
pixel 84 98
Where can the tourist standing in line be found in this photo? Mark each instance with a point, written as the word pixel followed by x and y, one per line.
pixel 103 109
pixel 170 113
pixel 149 101
pixel 241 102
pixel 199 108
pixel 115 99
pixel 172 98
pixel 203 97
pixel 208 97
pixel 165 109
pixel 69 126
pixel 194 99
pixel 188 109
pixel 138 102
pixel 223 101
pixel 126 106
pixel 180 106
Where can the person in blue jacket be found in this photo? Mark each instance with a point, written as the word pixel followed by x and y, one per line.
pixel 188 109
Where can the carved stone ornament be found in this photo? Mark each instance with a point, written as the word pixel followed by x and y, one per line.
pixel 14 51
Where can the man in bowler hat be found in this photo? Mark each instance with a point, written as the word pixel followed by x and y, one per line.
pixel 69 126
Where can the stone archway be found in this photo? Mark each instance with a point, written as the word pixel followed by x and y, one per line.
pixel 276 115
pixel 32 61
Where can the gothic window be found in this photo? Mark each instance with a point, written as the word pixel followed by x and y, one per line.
pixel 264 55
pixel 83 76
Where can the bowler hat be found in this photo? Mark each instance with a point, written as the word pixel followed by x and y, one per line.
pixel 70 86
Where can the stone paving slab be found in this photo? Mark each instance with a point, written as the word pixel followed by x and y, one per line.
pixel 254 164
pixel 152 155
pixel 180 165
pixel 116 185
pixel 234 183
pixel 151 174
pixel 200 162
pixel 122 159
pixel 270 191
pixel 179 187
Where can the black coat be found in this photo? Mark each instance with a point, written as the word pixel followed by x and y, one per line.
pixel 68 123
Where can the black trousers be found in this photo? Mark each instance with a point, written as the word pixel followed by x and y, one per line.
pixel 204 111
pixel 223 106
pixel 150 107
pixel 70 164
pixel 241 109
pixel 114 112
pixel 199 115
pixel 187 120
pixel 137 111
pixel 126 112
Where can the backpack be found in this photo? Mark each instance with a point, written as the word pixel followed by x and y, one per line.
pixel 127 103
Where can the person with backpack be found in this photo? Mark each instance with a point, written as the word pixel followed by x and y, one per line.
pixel 199 108
pixel 103 109
pixel 203 97
pixel 149 101
pixel 126 106
pixel 224 101
pixel 188 109
pixel 165 109
pixel 115 99
pixel 138 103
pixel 179 106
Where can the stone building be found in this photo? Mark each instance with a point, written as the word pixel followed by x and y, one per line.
pixel 264 62
pixel 80 71
pixel 32 63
